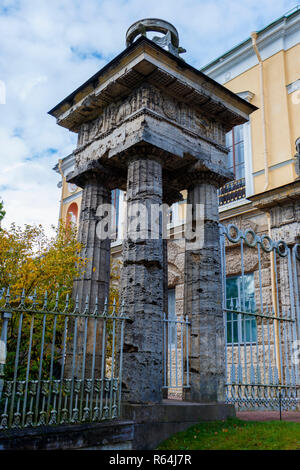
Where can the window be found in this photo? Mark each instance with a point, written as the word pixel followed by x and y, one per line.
pixel 72 214
pixel 172 330
pixel 236 158
pixel 115 198
pixel 235 189
pixel 240 297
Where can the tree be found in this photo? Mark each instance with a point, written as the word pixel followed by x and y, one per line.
pixel 32 261
pixel 30 265
pixel 2 211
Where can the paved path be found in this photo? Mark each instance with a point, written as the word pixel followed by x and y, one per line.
pixel 268 415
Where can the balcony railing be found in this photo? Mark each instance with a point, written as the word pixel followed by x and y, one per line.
pixel 232 191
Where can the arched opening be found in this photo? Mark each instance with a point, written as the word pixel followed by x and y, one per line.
pixel 72 214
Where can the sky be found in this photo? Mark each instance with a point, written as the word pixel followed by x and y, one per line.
pixel 49 48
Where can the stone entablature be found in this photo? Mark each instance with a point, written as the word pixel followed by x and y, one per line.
pixel 149 99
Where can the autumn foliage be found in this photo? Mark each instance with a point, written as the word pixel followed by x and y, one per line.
pixel 32 261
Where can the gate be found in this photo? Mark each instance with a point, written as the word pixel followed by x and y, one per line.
pixel 260 279
pixel 176 354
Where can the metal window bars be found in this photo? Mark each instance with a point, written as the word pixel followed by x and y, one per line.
pixel 59 365
pixel 262 373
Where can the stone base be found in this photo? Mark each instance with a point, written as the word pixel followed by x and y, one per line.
pixel 108 435
pixel 153 423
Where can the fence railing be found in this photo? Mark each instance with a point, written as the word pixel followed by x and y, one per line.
pixel 262 334
pixel 59 365
pixel 232 191
pixel 176 352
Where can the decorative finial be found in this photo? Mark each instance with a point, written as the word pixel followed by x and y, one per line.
pixel 170 40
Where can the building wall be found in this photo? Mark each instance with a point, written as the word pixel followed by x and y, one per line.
pixel 282 115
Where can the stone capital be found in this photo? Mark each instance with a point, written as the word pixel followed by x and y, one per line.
pixel 94 171
pixel 142 151
pixel 198 173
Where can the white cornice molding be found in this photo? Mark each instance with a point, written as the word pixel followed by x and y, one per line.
pixel 246 95
pixel 67 164
pixel 280 36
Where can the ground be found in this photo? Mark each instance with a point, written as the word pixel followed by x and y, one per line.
pixel 241 433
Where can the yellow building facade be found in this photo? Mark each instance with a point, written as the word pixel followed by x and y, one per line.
pixel 265 69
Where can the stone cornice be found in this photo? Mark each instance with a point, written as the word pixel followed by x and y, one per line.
pixel 145 60
pixel 277 196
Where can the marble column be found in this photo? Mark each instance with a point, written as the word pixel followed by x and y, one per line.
pixel 143 285
pixel 203 296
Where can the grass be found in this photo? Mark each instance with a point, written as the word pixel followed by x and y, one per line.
pixel 234 434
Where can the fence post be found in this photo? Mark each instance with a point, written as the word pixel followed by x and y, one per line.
pixel 3 343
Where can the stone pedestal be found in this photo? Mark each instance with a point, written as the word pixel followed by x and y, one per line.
pixel 143 287
pixel 203 298
pixel 153 423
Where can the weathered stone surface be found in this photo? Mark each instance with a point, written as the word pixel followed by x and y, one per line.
pixel 94 282
pixel 107 435
pixel 143 291
pixel 203 301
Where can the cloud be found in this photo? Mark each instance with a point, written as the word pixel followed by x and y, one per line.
pixel 49 48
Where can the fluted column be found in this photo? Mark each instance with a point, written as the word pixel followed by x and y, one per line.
pixel 143 285
pixel 203 296
pixel 94 282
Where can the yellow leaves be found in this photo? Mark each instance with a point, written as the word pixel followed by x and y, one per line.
pixel 30 260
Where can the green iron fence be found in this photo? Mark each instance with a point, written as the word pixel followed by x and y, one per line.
pixel 58 365
pixel 261 286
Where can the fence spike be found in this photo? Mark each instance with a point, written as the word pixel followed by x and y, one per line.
pixel 67 303
pixel 105 308
pixel 56 301
pixel 45 300
pixel 22 299
pixel 76 304
pixel 33 298
pixel 96 309
pixel 7 298
pixel 86 307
